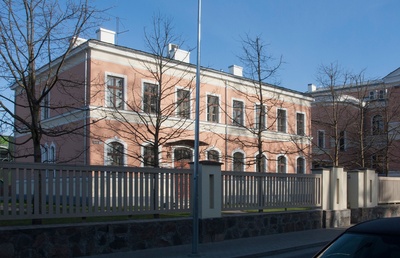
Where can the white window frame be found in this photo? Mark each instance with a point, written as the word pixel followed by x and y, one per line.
pixel 242 115
pixel 106 146
pixel 219 108
pixel 177 106
pixel 256 116
pixel 277 164
pixel 304 123
pixel 244 159
pixel 125 78
pixel 278 122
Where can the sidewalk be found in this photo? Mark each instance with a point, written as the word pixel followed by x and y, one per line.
pixel 243 247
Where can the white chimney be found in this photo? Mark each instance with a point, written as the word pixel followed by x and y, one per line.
pixel 106 35
pixel 78 41
pixel 311 87
pixel 236 70
pixel 178 54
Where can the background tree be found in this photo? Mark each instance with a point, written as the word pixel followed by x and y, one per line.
pixel 36 37
pixel 162 107
pixel 333 112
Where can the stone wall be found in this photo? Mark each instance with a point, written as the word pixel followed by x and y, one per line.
pixel 381 211
pixel 100 238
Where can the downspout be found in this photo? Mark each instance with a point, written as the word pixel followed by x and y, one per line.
pixel 85 115
pixel 226 126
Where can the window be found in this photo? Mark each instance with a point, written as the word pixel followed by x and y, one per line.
pixel 238 161
pixel 260 117
pixel 301 165
pixel 372 95
pixel 148 156
pixel 213 155
pixel 281 164
pixel 182 157
pixel 377 125
pixel 382 94
pixel 48 153
pixel 262 167
pixel 183 103
pixel 281 120
pixel 150 98
pixel 342 141
pixel 115 154
pixel 45 107
pixel 321 139
pixel 212 109
pixel 115 92
pixel 300 124
pixel 237 115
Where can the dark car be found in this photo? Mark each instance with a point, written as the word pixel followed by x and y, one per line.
pixel 373 238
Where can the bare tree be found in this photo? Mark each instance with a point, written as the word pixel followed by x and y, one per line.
pixel 159 111
pixel 333 106
pixel 36 37
pixel 260 67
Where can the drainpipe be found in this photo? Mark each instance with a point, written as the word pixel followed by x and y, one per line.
pixel 85 115
pixel 226 126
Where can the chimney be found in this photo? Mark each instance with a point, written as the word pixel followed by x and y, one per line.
pixel 236 70
pixel 311 87
pixel 178 54
pixel 107 36
pixel 77 41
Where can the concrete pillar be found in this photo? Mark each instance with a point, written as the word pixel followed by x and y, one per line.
pixel 210 192
pixel 334 197
pixel 362 188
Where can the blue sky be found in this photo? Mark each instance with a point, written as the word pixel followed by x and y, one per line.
pixel 357 34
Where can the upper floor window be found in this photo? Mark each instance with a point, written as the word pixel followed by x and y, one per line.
pixel 212 109
pixel 115 154
pixel 260 117
pixel 321 139
pixel 148 156
pixel 115 92
pixel 301 165
pixel 238 161
pixel 281 117
pixel 342 141
pixel 300 124
pixel 281 164
pixel 183 103
pixel 237 115
pixel 382 94
pixel 45 106
pixel 213 155
pixel 377 125
pixel 150 98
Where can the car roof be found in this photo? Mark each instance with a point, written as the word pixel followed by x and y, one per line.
pixel 387 226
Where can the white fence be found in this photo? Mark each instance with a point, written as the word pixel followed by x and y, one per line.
pixel 50 191
pixel 29 191
pixel 245 190
pixel 389 190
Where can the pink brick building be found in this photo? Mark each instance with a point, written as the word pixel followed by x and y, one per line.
pixel 110 94
pixel 367 120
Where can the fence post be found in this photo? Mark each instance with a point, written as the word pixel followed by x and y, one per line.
pixel 334 197
pixel 210 192
pixel 362 188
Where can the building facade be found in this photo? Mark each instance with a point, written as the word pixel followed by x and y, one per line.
pixel 133 108
pixel 357 125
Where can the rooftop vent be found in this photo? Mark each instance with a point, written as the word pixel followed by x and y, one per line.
pixel 106 35
pixel 178 54
pixel 311 87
